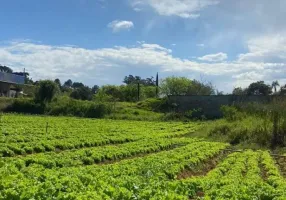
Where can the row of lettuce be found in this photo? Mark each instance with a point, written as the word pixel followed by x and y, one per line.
pixel 146 177
pixel 94 155
pixel 241 175
pixel 23 135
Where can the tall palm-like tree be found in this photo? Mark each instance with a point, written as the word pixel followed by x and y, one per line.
pixel 274 85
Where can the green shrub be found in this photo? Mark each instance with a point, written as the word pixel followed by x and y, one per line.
pixel 153 104
pixel 5 102
pixel 221 129
pixel 231 113
pixel 25 106
pixel 70 107
pixel 174 116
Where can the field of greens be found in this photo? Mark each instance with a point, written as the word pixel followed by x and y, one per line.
pixel 72 158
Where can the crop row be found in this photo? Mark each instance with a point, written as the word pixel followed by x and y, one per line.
pixel 138 178
pixel 87 156
pixel 21 135
pixel 241 176
pixel 273 176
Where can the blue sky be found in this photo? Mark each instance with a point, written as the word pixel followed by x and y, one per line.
pixel 230 43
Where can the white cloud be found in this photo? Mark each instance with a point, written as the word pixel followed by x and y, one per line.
pixel 47 61
pixel 268 48
pixel 117 25
pixel 156 47
pixel 180 8
pixel 251 76
pixel 201 45
pixel 214 57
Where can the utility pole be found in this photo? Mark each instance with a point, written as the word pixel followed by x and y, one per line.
pixel 157 84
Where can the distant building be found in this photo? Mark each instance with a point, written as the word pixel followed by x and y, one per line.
pixel 8 84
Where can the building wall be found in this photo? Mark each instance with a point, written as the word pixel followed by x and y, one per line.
pixel 11 78
pixel 4 89
pixel 210 105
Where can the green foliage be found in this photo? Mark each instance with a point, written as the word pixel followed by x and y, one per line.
pixel 259 88
pixel 231 113
pixel 25 106
pixel 77 85
pixel 200 88
pixel 111 91
pixel 175 86
pixel 174 116
pixel 148 92
pixel 46 91
pixel 5 102
pixel 82 93
pixel 45 175
pixel 154 104
pixel 68 83
pixel 130 111
pixel 127 93
pixel 184 86
pixel 132 80
pixel 248 130
pixel 70 107
pixel 242 176
pixel 145 160
pixel 239 91
pixel 5 69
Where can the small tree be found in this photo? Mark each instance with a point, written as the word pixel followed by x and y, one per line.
pixel 239 91
pixel 175 86
pixel 94 89
pixel 274 85
pixel 46 91
pixel 82 93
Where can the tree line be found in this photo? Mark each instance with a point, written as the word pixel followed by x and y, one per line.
pixel 261 88
pixel 136 87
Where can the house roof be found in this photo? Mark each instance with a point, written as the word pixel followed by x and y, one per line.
pixel 11 78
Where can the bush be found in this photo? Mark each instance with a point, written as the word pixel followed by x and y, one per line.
pixel 70 107
pixel 231 113
pixel 174 116
pixel 25 106
pixel 153 104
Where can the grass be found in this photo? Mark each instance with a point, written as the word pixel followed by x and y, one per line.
pixel 130 111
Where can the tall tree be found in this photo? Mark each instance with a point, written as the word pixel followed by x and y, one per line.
pixel 259 88
pixel 77 85
pixel 46 91
pixel 5 69
pixel 275 84
pixel 68 83
pixel 137 79
pixel 131 79
pixel 58 82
